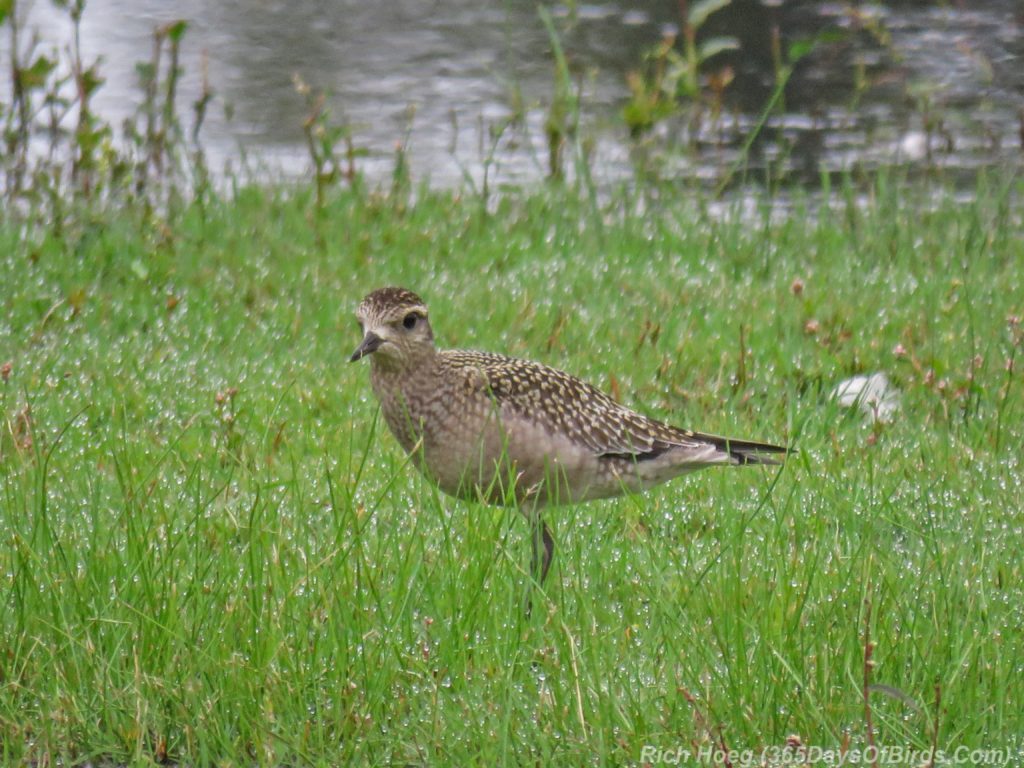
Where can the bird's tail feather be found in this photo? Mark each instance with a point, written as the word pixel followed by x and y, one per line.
pixel 748 451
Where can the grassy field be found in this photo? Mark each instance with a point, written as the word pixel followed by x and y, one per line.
pixel 212 552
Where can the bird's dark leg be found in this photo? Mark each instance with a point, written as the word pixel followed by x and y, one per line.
pixel 540 534
pixel 549 550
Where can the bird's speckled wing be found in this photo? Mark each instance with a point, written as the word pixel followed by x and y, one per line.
pixel 583 413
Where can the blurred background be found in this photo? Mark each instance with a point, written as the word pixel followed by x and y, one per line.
pixel 463 86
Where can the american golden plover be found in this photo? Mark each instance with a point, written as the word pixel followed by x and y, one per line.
pixel 508 431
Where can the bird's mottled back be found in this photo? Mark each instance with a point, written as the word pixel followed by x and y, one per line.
pixel 570 406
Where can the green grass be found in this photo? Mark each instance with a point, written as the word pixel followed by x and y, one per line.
pixel 210 548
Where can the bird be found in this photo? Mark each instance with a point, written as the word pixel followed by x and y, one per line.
pixel 512 432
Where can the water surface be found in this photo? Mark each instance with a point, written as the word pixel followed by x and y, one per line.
pixel 941 84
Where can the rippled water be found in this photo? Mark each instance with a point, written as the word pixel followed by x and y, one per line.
pixel 943 83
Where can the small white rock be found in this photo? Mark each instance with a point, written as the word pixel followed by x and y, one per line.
pixel 874 394
pixel 913 146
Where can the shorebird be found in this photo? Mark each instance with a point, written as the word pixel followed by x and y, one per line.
pixel 501 430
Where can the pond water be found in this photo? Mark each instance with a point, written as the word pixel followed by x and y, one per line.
pixel 466 83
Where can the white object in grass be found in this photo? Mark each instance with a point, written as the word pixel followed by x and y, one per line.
pixel 873 394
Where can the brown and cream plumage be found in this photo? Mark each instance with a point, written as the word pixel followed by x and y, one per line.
pixel 503 430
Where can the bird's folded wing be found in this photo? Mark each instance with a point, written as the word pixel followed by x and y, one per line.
pixel 563 403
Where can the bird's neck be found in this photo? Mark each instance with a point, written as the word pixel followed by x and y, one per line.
pixel 404 391
pixel 400 381
pixel 410 367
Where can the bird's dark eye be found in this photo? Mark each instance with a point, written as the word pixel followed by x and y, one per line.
pixel 410 321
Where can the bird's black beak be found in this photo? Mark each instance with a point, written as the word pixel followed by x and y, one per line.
pixel 370 343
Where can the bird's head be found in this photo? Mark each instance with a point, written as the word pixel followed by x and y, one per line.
pixel 395 328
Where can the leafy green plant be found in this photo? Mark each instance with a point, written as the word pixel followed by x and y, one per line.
pixel 154 134
pixel 91 132
pixel 673 78
pixel 563 123
pixel 52 99
pixel 563 119
pixel 323 138
pixel 35 87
